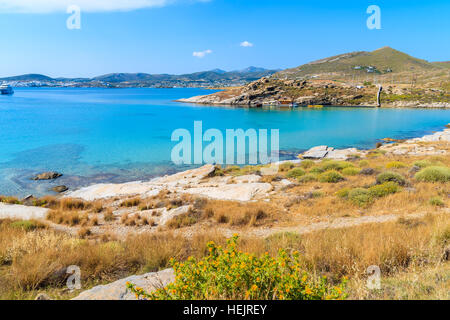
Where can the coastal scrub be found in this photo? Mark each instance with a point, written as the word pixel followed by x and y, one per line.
pixel 228 273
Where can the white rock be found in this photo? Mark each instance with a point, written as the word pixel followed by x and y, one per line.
pixel 8 211
pixel 118 290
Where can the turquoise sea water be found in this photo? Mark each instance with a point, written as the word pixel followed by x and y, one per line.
pixel 117 135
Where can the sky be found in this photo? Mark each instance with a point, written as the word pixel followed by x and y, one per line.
pixel 184 36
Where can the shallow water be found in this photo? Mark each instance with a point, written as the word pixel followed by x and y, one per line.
pixel 116 135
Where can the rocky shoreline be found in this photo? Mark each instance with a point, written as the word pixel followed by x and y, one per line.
pixel 270 92
pixel 248 188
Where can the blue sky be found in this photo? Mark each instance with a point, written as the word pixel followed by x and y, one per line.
pixel 160 36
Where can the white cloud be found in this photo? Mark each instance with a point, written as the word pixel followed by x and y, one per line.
pixel 49 6
pixel 246 44
pixel 201 54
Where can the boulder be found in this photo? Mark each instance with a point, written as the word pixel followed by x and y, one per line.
pixel 318 152
pixel 343 154
pixel 60 189
pixel 20 212
pixel 28 200
pixel 118 290
pixel 51 175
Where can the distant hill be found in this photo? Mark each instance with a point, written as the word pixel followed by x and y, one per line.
pixel 382 61
pixel 249 74
pixel 28 77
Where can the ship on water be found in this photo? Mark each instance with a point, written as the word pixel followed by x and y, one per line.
pixel 6 89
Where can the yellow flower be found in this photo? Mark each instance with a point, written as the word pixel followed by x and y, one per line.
pixel 308 290
pixel 254 287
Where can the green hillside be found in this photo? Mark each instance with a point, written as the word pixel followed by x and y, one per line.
pixel 383 61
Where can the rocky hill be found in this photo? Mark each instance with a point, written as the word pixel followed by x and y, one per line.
pixel 379 62
pixel 350 79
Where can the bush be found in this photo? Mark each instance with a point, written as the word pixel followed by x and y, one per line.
pixel 343 193
pixel 437 202
pixel 384 189
pixel 227 273
pixel 129 203
pixel 391 176
pixel 317 170
pixel 335 165
pixel 434 174
pixel 364 163
pixel 286 166
pixel 351 171
pixel 361 197
pixel 295 173
pixel 331 176
pixel 28 225
pixel 307 178
pixel 423 164
pixel 396 165
pixel 306 164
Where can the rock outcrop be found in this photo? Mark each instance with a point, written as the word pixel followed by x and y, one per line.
pixel 325 152
pixel 118 290
pixel 60 189
pixel 9 211
pixel 51 175
pixel 199 182
pixel 270 91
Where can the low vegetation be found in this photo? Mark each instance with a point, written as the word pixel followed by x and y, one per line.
pixel 434 174
pixel 228 273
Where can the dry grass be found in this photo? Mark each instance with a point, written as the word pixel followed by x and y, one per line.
pixel 68 218
pixel 33 260
pixel 129 203
pixel 240 215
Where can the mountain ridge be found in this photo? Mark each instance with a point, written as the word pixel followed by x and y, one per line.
pixel 252 72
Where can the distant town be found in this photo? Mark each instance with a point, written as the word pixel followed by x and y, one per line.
pixel 206 79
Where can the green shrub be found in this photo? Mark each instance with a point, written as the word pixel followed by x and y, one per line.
pixel 28 225
pixel 361 197
pixel 317 170
pixel 295 173
pixel 396 165
pixel 437 202
pixel 351 171
pixel 364 163
pixel 384 189
pixel 227 273
pixel 343 193
pixel 331 176
pixel 306 164
pixel 285 166
pixel 423 164
pixel 335 165
pixel 434 174
pixel 309 177
pixel 391 176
